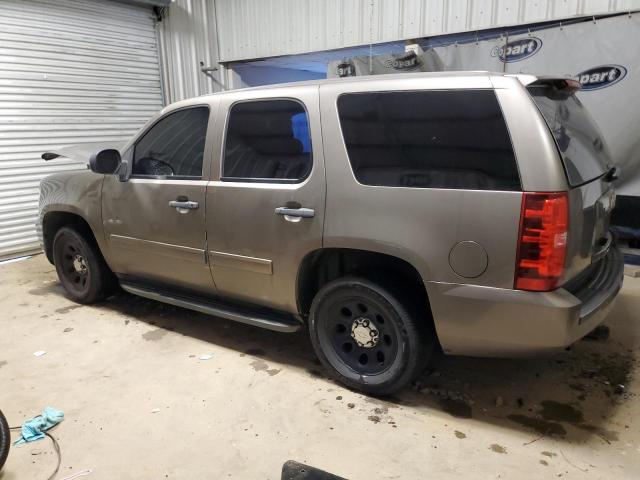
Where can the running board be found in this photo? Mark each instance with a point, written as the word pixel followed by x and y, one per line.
pixel 258 317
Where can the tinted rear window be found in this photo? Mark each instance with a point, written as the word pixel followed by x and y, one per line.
pixel 579 142
pixel 428 139
pixel 268 141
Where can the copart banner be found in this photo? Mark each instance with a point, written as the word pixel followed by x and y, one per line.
pixel 603 54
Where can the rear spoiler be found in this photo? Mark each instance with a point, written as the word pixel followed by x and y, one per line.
pixel 554 88
pixel 545 81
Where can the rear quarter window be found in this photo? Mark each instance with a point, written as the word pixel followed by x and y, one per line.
pixel 577 137
pixel 449 139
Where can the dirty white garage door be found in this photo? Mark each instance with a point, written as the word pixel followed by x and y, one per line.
pixel 71 71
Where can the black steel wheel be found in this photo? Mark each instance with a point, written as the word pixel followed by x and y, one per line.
pixel 356 330
pixel 80 266
pixel 367 337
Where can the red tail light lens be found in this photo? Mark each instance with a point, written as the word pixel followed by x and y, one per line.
pixel 542 243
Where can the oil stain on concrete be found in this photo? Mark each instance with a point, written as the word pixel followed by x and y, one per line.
pixel 460 435
pixel 67 309
pixel 553 413
pixel 47 289
pixel 154 335
pixel 606 435
pixel 261 366
pixel 2 363
pixel 560 412
pixel 498 448
pixel 541 426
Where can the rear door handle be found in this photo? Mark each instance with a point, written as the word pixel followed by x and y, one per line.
pixel 296 212
pixel 186 205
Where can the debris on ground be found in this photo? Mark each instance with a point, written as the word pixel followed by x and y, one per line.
pixel 83 473
pixel 39 353
pixel 620 389
pixel 446 394
pixel 207 356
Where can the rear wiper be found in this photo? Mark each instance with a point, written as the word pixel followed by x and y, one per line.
pixel 612 174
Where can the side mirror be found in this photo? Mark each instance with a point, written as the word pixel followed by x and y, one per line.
pixel 105 161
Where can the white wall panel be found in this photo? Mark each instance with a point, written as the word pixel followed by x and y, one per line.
pixel 539 10
pixel 264 28
pixel 480 14
pixel 187 38
pixel 71 71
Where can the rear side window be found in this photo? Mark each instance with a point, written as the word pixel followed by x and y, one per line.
pixel 174 146
pixel 428 139
pixel 579 142
pixel 268 141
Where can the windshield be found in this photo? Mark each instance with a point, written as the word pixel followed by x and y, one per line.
pixel 578 139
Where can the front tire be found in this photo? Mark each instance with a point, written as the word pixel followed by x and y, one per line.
pixel 367 337
pixel 80 266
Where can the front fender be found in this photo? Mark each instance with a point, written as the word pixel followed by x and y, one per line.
pixel 75 193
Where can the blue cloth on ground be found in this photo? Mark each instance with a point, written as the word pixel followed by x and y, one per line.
pixel 34 429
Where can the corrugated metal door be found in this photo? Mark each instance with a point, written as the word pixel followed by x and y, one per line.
pixel 71 71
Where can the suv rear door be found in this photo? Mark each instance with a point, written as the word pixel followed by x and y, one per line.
pixel 265 203
pixel 586 161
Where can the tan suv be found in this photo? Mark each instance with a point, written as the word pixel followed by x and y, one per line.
pixel 389 214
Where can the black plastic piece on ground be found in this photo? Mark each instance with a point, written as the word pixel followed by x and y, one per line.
pixel 298 471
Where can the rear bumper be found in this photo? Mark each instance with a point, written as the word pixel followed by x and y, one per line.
pixel 495 322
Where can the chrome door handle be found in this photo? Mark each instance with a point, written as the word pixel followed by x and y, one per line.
pixel 188 205
pixel 296 212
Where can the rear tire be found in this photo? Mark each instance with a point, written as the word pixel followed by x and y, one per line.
pixel 80 266
pixel 367 337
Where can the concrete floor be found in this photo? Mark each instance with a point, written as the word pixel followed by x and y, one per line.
pixel 140 404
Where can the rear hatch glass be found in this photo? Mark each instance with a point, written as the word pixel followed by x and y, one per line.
pixel 579 141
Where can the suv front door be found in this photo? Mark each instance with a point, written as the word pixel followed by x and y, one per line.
pixel 265 204
pixel 154 221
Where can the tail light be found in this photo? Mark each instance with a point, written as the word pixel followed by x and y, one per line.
pixel 542 242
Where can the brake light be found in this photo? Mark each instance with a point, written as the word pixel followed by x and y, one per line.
pixel 542 241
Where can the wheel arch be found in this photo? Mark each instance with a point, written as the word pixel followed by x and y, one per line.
pixel 324 265
pixel 53 220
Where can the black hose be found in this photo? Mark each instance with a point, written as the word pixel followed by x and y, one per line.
pixel 5 439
